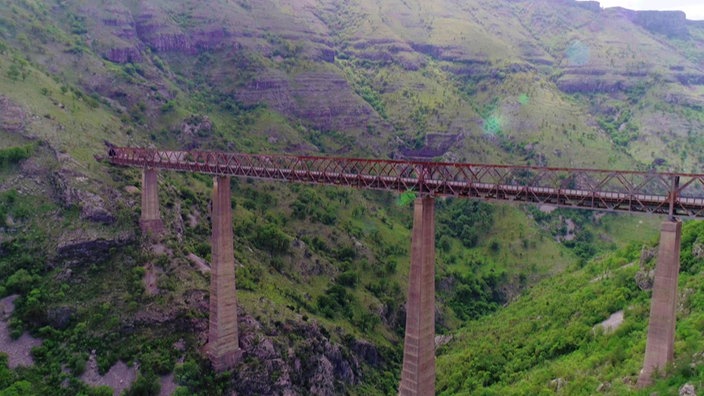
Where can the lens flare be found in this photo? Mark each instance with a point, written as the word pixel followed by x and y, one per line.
pixel 523 99
pixel 493 124
pixel 406 198
pixel 577 53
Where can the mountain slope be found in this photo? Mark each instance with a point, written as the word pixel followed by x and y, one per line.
pixel 552 340
pixel 321 271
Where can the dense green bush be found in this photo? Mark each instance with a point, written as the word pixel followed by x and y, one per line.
pixel 692 239
pixel 7 376
pixel 13 155
pixel 21 281
pixel 335 300
pixel 348 279
pixel 474 295
pixel 464 219
pixel 271 238
pixel 144 386
pixel 32 307
pixel 248 277
pixel 19 388
pixel 309 204
pixel 102 390
pixel 11 203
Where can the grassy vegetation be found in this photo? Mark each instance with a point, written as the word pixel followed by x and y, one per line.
pixel 551 336
pixel 338 258
pixel 13 155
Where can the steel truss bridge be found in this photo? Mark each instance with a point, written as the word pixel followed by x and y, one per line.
pixel 673 194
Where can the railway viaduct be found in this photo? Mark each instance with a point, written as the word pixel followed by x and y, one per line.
pixel 671 194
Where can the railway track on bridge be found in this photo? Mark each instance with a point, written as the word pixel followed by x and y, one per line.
pixel 674 194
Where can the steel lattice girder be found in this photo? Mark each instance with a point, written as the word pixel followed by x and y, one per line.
pixel 679 194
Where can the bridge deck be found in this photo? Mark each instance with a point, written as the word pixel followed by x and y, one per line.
pixel 676 194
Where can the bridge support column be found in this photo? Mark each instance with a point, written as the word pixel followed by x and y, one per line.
pixel 150 220
pixel 659 350
pixel 418 376
pixel 223 345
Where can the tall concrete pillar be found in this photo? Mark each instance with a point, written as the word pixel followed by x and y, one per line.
pixel 659 350
pixel 223 345
pixel 150 220
pixel 418 376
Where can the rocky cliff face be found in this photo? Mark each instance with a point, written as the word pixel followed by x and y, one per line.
pixel 273 39
pixel 12 115
pixel 325 100
pixel 591 80
pixel 670 23
pixel 589 5
pixel 124 55
pixel 148 25
pixel 312 365
pixel 290 358
pixel 131 31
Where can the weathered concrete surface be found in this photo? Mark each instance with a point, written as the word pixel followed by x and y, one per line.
pixel 418 376
pixel 223 346
pixel 661 329
pixel 150 220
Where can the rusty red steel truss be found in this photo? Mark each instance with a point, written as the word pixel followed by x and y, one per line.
pixel 674 194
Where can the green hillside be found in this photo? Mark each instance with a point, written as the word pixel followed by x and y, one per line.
pixel 321 272
pixel 550 341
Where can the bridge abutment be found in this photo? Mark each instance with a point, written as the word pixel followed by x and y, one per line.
pixel 418 376
pixel 150 220
pixel 223 343
pixel 659 350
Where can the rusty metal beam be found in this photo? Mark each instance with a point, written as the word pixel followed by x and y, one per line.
pixel 673 194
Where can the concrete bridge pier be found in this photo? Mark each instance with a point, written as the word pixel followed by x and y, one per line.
pixel 223 344
pixel 150 220
pixel 659 350
pixel 418 376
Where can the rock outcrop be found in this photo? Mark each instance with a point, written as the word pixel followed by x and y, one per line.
pixel 76 251
pixel 60 317
pixel 287 357
pixel 157 32
pixel 589 80
pixel 687 390
pixel 70 189
pixel 436 145
pixel 670 23
pixel 690 78
pixel 124 55
pixel 589 5
pixel 313 365
pixel 196 125
pixel 645 277
pixel 324 99
pixel 79 247
pixel 120 20
pixel 12 115
pixel 129 34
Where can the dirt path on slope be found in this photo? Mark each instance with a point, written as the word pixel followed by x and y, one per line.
pixel 19 350
pixel 119 377
pixel 613 322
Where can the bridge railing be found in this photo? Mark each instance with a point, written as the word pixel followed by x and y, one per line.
pixel 648 192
